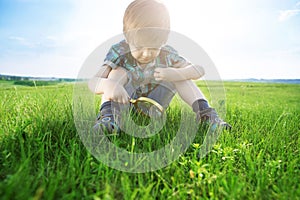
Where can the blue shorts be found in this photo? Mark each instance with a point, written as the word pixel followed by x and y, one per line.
pixel 162 93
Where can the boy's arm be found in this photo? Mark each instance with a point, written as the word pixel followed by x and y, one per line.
pixel 110 82
pixel 97 83
pixel 173 74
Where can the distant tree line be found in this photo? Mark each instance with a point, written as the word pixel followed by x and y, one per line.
pixel 34 83
pixel 13 78
pixel 26 78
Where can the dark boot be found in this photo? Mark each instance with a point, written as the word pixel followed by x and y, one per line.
pixel 106 119
pixel 206 114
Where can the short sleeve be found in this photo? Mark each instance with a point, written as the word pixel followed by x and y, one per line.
pixel 173 58
pixel 113 58
pixel 116 55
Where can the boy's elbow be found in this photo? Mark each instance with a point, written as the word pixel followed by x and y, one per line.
pixel 92 84
pixel 200 71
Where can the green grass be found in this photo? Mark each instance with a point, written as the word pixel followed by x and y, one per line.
pixel 42 156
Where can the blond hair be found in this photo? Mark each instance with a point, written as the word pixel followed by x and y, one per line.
pixel 146 14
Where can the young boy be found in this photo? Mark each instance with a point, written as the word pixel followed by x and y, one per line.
pixel 143 65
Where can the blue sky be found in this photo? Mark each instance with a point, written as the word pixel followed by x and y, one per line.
pixel 244 38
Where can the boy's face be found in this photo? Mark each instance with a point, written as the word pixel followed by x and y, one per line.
pixel 145 43
pixel 144 55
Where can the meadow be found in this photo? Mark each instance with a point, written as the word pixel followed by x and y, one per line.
pixel 42 156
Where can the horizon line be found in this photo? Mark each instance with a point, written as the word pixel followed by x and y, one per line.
pixel 65 77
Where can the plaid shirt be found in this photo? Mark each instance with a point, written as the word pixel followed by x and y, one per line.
pixel 143 80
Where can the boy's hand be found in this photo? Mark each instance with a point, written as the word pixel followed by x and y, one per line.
pixel 168 74
pixel 116 92
pixel 172 74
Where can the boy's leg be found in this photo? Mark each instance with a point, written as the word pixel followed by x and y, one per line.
pixel 163 93
pixel 110 111
pixel 189 92
pixel 119 75
pixel 193 96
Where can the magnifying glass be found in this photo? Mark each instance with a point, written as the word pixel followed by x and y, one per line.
pixel 147 106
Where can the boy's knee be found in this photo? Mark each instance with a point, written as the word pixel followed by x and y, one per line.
pixel 119 75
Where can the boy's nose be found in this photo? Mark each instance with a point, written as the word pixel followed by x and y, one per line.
pixel 146 53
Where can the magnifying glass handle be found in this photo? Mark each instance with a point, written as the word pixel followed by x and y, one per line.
pixel 132 101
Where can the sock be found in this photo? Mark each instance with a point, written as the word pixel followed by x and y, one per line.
pixel 109 109
pixel 199 105
pixel 106 108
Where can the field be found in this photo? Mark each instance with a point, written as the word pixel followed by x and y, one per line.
pixel 42 156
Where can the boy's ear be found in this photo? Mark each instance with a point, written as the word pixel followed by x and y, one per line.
pixel 126 40
pixel 126 36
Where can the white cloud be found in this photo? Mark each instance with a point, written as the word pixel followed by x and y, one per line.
pixel 287 14
pixel 34 43
pixel 22 41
